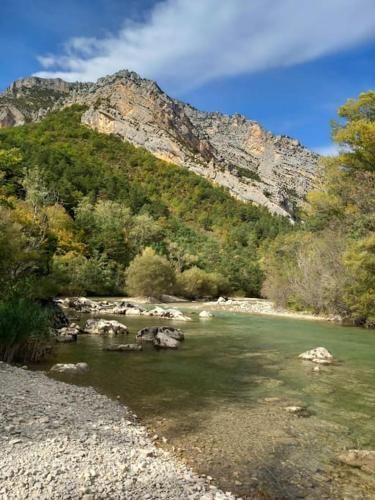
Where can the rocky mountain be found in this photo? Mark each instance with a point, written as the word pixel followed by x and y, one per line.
pixel 237 153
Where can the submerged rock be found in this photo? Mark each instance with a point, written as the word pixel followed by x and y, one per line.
pixel 300 411
pixel 124 347
pixel 105 327
pixel 206 314
pixel 70 367
pixel 318 355
pixel 364 459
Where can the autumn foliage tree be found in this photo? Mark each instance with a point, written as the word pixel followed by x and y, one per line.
pixel 329 264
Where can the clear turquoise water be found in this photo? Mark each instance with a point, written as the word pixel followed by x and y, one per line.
pixel 210 395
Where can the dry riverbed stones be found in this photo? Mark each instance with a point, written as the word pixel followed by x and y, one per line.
pixel 59 441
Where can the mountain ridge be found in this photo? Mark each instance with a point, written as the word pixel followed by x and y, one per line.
pixel 230 150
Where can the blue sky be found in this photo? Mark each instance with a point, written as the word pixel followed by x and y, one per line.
pixel 286 63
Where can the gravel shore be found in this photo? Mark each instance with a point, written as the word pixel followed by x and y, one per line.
pixel 59 441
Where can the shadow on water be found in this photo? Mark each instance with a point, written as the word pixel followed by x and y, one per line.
pixel 220 398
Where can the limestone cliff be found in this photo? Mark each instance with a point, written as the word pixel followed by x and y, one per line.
pixel 237 153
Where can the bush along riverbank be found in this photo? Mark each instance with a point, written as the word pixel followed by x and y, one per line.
pixel 24 330
pixel 64 442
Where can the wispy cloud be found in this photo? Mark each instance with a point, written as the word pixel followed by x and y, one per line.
pixel 327 150
pixel 189 42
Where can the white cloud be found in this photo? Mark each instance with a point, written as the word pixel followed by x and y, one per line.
pixel 327 150
pixel 189 42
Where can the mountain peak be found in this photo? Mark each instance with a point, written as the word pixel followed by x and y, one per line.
pixel 233 151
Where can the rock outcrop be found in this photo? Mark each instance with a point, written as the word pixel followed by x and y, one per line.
pixel 232 151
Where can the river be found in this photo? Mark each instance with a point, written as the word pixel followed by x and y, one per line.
pixel 220 399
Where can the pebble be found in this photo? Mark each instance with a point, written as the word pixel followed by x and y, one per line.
pixel 94 449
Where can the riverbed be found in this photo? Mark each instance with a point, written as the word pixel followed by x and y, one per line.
pixel 219 401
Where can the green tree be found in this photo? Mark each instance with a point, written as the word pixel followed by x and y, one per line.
pixel 150 275
pixel 106 227
pixel 196 283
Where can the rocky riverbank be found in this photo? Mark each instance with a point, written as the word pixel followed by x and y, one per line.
pixel 263 306
pixel 60 441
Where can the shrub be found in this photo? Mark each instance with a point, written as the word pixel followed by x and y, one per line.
pixel 76 275
pixel 196 283
pixel 150 275
pixel 24 331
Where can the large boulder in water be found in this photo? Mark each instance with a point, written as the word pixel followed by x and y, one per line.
pixel 163 341
pixel 149 333
pixel 174 333
pixel 105 327
pixel 161 336
pixel 318 355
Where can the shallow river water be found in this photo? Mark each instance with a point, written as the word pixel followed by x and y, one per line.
pixel 220 400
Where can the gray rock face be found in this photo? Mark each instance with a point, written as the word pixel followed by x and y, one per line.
pixel 232 151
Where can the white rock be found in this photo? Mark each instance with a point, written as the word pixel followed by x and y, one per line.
pixel 70 367
pixel 168 313
pixel 206 314
pixel 318 355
